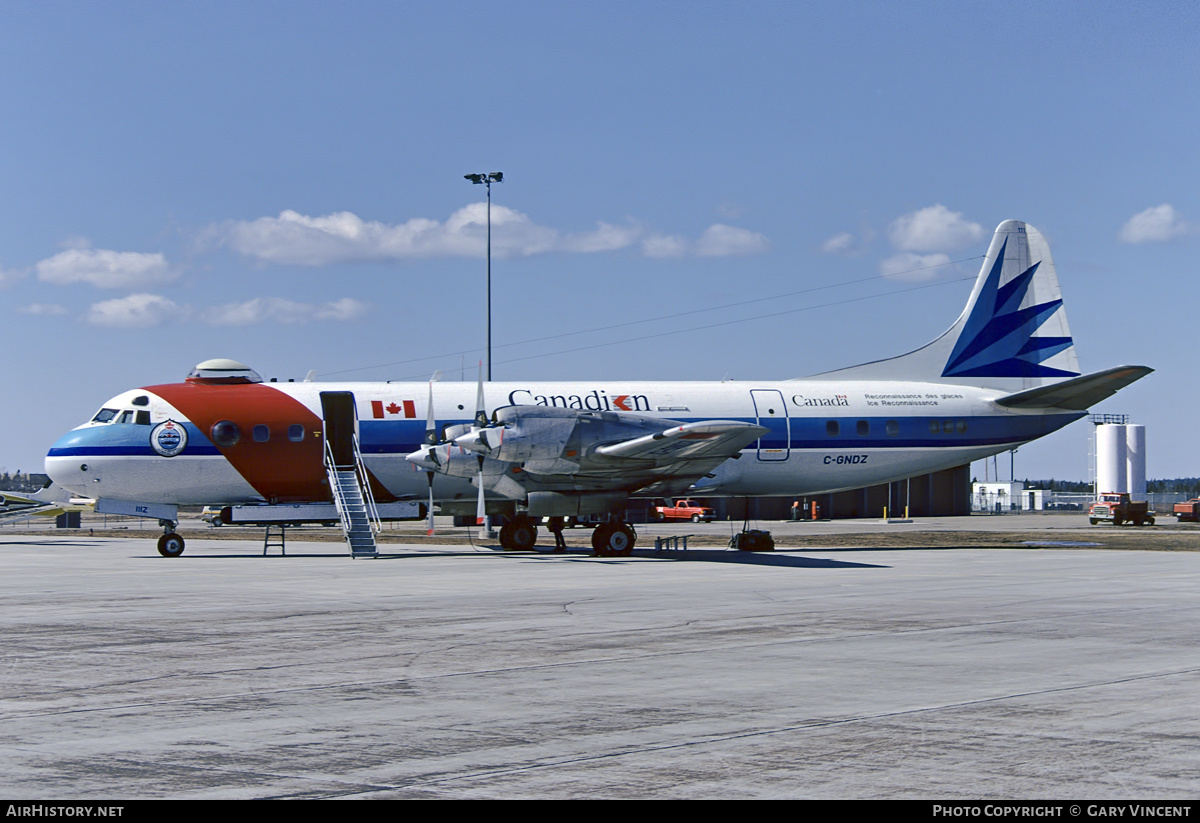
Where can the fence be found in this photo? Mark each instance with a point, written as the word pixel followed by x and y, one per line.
pixel 1046 502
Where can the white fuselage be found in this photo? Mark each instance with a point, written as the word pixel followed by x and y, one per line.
pixel 824 435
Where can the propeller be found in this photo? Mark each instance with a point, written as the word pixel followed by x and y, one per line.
pixel 482 438
pixel 481 422
pixel 430 449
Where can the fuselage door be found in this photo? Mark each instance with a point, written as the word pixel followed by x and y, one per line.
pixel 341 423
pixel 770 410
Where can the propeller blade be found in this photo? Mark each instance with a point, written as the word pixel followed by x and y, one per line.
pixel 481 419
pixel 429 526
pixel 481 506
pixel 431 437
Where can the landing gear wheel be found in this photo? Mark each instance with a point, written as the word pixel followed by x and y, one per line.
pixel 170 545
pixel 613 540
pixel 522 535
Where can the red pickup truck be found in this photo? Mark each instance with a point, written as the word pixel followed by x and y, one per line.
pixel 685 510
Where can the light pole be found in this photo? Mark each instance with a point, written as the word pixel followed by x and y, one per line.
pixel 487 180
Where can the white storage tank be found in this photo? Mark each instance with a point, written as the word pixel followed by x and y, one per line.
pixel 1111 474
pixel 1135 460
pixel 1121 459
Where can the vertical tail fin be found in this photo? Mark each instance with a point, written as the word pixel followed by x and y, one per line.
pixel 1013 334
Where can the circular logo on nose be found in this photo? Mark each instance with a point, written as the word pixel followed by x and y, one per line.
pixel 168 438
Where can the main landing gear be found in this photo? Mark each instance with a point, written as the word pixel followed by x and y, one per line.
pixel 520 535
pixel 170 544
pixel 614 539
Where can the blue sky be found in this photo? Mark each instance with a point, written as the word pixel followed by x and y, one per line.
pixel 282 183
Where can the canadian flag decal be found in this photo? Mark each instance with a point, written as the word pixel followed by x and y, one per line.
pixel 405 408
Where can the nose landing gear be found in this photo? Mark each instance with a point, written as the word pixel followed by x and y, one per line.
pixel 170 544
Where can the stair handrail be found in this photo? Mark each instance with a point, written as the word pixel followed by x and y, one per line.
pixel 364 483
pixel 335 490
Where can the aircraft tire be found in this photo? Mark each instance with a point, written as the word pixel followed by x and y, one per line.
pixel 522 535
pixel 613 540
pixel 506 537
pixel 170 545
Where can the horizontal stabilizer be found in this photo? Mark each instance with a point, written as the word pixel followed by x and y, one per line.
pixel 1078 393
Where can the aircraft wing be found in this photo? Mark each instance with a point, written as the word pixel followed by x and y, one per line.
pixel 666 461
pixel 537 448
pixel 1078 393
pixel 705 442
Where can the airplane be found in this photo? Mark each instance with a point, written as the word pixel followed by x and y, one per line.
pixel 49 501
pixel 1005 373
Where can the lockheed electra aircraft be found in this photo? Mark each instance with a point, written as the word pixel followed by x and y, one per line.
pixel 1005 373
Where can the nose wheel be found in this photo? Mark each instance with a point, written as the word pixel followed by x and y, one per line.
pixel 170 544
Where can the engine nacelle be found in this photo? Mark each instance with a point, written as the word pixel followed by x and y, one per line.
pixel 535 433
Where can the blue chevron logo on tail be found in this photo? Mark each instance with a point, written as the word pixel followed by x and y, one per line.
pixel 999 338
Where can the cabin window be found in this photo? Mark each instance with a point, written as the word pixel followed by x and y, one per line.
pixel 832 428
pixel 261 433
pixel 933 427
pixel 295 432
pixel 863 428
pixel 961 426
pixel 225 433
pixel 947 426
pixel 893 428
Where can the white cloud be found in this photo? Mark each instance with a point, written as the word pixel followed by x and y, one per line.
pixel 663 245
pixel 105 269
pixel 8 276
pixel 843 243
pixel 934 228
pixel 281 310
pixel 42 309
pixel 139 311
pixel 720 240
pixel 297 239
pixel 913 267
pixel 1154 225
pixel 606 237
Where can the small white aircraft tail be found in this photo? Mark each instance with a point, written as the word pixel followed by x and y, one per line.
pixel 1012 335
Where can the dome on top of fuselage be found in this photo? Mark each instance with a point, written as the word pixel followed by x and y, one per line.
pixel 223 370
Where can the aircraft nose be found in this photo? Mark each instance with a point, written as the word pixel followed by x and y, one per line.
pixel 68 464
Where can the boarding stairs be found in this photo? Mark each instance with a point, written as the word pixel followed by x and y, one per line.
pixel 351 489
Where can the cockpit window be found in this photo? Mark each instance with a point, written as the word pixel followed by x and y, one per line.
pixel 143 418
pixel 140 400
pixel 104 416
pixel 126 416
